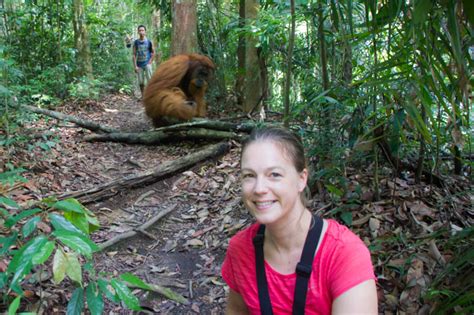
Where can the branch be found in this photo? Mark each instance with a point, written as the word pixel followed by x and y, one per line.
pixel 129 234
pixel 78 121
pixel 164 135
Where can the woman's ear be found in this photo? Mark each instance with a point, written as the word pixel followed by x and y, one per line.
pixel 303 180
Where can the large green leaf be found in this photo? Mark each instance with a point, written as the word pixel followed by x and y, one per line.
pixel 60 223
pixel 132 279
pixel 14 306
pixel 68 205
pixel 108 290
pixel 6 242
pixel 422 8
pixel 26 252
pixel 30 226
pixel 94 299
pixel 3 279
pixel 73 268
pixel 11 221
pixel 76 303
pixel 20 271
pixel 43 254
pixel 79 220
pixel 9 202
pixel 59 266
pixel 126 295
pixel 78 242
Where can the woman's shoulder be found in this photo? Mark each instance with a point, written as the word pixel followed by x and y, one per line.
pixel 244 237
pixel 339 233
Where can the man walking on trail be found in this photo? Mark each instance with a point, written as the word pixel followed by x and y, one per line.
pixel 143 53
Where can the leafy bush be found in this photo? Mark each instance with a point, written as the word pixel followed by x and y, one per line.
pixel 85 88
pixel 56 234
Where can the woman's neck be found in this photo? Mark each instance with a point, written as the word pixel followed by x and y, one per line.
pixel 291 234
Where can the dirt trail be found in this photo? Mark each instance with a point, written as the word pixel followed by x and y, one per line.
pixel 185 249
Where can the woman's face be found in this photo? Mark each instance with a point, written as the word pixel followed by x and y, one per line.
pixel 271 185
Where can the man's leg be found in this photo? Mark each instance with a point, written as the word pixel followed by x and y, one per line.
pixel 141 80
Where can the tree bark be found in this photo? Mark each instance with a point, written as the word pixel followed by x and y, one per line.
pixel 167 169
pixel 81 40
pixel 291 44
pixel 161 137
pixel 239 86
pixel 253 81
pixel 184 36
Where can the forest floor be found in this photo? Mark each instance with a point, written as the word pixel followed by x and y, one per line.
pixel 185 249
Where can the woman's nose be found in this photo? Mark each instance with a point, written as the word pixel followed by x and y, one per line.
pixel 260 186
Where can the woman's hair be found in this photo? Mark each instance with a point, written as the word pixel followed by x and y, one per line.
pixel 290 143
pixel 141 25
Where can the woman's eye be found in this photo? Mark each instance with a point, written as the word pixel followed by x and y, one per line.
pixel 244 176
pixel 274 174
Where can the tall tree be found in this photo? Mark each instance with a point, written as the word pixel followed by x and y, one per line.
pixel 184 36
pixel 289 64
pixel 81 40
pixel 253 81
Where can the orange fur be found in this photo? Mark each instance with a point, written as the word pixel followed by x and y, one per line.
pixel 177 88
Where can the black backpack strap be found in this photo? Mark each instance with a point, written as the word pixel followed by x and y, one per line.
pixel 263 295
pixel 304 267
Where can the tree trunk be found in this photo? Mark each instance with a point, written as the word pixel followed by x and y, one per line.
pixel 184 35
pixel 156 21
pixel 253 81
pixel 291 43
pixel 239 86
pixel 322 48
pixel 81 40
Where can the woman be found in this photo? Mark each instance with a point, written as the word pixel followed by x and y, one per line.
pixel 340 277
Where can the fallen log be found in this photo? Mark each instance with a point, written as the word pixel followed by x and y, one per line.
pixel 164 170
pixel 211 124
pixel 164 136
pixel 93 126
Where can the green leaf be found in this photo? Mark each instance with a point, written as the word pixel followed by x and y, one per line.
pixel 30 226
pixel 422 8
pixel 124 293
pixel 6 242
pixel 105 288
pixel 14 306
pixel 60 223
pixel 78 242
pixel 79 220
pixel 59 266
pixel 347 218
pixel 334 190
pixel 94 224
pixel 44 253
pixel 4 212
pixel 14 219
pixel 3 279
pixel 132 279
pixel 69 205
pixel 26 252
pixel 21 270
pixel 73 268
pixel 76 303
pixel 94 299
pixel 9 202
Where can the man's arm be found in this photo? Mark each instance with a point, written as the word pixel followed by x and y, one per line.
pixel 235 304
pixel 135 57
pixel 152 53
pixel 361 299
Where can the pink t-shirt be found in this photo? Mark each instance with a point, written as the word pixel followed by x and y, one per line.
pixel 342 262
